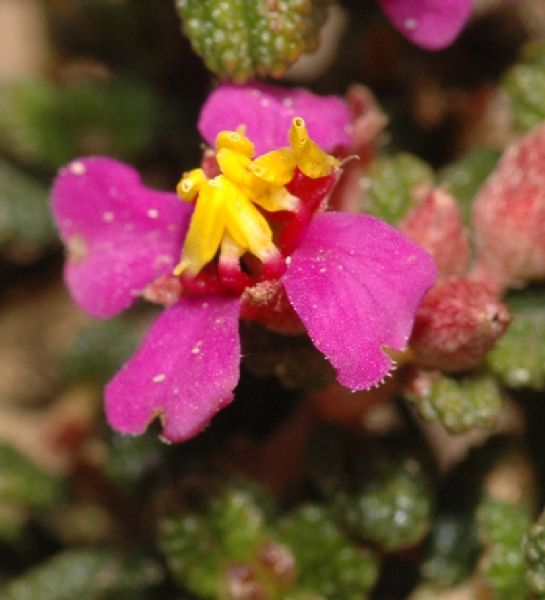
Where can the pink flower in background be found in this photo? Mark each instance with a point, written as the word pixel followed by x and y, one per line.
pixel 354 282
pixel 431 24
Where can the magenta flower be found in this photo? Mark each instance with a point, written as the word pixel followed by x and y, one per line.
pixel 354 282
pixel 432 24
pixel 267 112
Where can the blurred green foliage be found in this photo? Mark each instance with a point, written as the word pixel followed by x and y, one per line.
pixel 47 125
pixel 459 403
pixel 26 227
pixel 25 491
pixel 534 553
pixel 502 526
pixel 87 575
pixel 392 510
pixel 99 349
pixel 525 87
pixel 464 177
pixel 518 359
pixel 452 550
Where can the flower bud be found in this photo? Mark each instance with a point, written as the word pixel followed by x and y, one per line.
pixel 436 224
pixel 509 215
pixel 457 324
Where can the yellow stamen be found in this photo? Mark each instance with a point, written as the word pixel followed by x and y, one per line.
pixel 235 168
pixel 311 159
pixel 276 167
pixel 226 215
pixel 190 184
pixel 236 141
pixel 205 230
pixel 247 226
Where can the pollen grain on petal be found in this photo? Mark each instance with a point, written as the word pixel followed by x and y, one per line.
pixel 77 249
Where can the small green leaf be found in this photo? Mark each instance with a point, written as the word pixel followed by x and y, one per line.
pixel 534 553
pixel 502 526
pixel 460 404
pixel 518 359
pixel 390 186
pixel 393 510
pixel 329 563
pixel 464 177
pixel 200 546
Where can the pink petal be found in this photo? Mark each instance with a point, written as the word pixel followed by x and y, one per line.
pixel 185 371
pixel 120 235
pixel 356 283
pixel 267 112
pixel 432 24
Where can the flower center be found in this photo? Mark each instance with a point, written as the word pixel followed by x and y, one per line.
pixel 231 223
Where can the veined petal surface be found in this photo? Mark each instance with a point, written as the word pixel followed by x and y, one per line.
pixel 267 112
pixel 356 283
pixel 119 234
pixel 185 371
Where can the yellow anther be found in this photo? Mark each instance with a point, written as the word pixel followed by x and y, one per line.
pixel 205 230
pixel 236 141
pixel 190 184
pixel 247 226
pixel 276 167
pixel 235 167
pixel 227 216
pixel 311 159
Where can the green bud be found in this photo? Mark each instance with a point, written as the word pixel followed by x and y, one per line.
pixel 240 40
